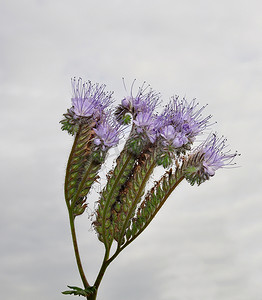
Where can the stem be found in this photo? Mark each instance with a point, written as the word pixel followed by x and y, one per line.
pixel 77 256
pixel 92 297
pixel 102 269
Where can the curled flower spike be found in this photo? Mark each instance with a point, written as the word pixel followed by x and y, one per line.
pixel 89 99
pixel 181 122
pixel 107 134
pixel 145 102
pixel 207 159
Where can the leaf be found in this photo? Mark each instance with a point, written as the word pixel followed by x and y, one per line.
pixel 79 291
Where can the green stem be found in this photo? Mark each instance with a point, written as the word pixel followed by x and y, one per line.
pixel 102 269
pixel 77 255
pixel 93 296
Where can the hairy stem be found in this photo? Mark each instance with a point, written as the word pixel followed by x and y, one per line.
pixel 102 270
pixel 76 250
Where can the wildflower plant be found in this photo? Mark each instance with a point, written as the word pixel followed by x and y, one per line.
pixel 125 208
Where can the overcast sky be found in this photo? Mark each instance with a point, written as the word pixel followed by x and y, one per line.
pixel 206 243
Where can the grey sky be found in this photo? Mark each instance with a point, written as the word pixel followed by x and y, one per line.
pixel 206 243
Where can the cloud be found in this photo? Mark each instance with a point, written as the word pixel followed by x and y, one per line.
pixel 205 242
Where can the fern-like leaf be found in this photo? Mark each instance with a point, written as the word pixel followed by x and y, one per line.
pixel 80 292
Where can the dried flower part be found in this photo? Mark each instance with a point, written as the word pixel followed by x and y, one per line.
pixel 130 196
pixel 207 159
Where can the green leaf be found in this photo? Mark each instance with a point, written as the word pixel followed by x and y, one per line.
pixel 79 291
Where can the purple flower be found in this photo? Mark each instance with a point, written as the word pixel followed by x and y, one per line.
pixel 181 122
pixel 172 137
pixel 145 101
pixel 146 124
pixel 208 158
pixel 143 120
pixel 89 99
pixel 107 135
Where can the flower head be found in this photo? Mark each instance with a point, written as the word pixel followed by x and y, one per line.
pixel 144 101
pixel 181 122
pixel 107 134
pixel 89 99
pixel 146 124
pixel 207 159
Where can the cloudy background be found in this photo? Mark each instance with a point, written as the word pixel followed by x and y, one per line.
pixel 206 244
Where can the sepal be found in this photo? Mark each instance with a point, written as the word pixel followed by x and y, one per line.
pixel 69 122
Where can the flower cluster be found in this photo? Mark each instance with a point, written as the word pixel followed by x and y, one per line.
pixel 181 122
pixel 207 159
pixel 89 99
pixel 171 133
pixel 126 206
pixel 107 134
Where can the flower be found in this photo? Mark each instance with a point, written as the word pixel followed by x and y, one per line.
pixel 171 136
pixel 181 122
pixel 145 101
pixel 107 135
pixel 207 159
pixel 89 99
pixel 145 123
